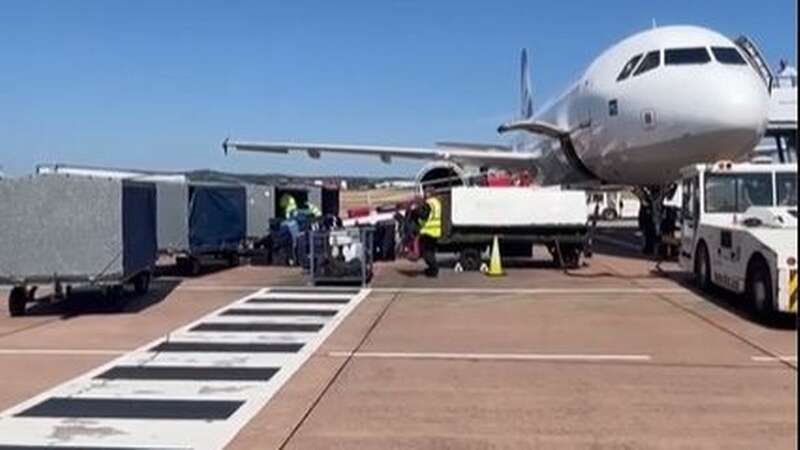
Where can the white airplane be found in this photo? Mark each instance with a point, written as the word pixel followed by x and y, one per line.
pixel 653 103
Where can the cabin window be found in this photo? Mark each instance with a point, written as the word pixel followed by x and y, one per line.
pixel 691 55
pixel 735 193
pixel 728 55
pixel 650 62
pixel 629 66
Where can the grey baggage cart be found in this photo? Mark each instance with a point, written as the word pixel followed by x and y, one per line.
pixel 75 231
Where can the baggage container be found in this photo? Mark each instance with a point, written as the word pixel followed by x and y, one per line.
pixel 69 230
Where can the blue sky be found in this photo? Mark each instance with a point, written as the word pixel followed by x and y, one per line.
pixel 159 84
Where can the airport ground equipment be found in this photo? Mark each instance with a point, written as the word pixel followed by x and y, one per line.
pixel 75 231
pixel 739 231
pixel 520 217
pixel 341 257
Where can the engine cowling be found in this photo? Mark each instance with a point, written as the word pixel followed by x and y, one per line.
pixel 441 174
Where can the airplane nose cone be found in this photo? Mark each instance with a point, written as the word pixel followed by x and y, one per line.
pixel 743 106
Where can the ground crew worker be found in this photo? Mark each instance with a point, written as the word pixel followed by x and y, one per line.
pixel 429 234
pixel 288 205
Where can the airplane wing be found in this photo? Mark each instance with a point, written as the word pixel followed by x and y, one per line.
pixel 477 154
pixel 474 146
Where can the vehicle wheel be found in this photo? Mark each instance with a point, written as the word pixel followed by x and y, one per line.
pixel 702 268
pixel 16 301
pixel 470 259
pixel 141 283
pixel 759 290
pixel 570 256
pixel 609 214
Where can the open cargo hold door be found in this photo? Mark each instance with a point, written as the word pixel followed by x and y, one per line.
pixel 330 201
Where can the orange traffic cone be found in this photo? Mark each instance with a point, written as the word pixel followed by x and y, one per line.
pixel 495 264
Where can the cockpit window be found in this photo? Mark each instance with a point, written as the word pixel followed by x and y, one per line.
pixel 690 55
pixel 728 55
pixel 650 62
pixel 629 66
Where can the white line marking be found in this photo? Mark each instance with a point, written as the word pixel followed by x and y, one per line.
pixel 582 291
pixel 58 351
pixel 199 435
pixel 791 358
pixel 494 356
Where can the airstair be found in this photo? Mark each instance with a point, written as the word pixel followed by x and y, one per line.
pixel 756 59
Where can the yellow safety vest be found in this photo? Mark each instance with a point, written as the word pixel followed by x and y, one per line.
pixel 433 225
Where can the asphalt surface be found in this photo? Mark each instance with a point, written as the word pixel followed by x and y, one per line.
pixel 621 353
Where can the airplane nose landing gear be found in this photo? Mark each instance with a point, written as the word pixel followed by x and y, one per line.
pixel 656 221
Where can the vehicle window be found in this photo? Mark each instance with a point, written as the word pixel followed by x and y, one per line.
pixel 693 55
pixel 735 193
pixel 629 66
pixel 754 190
pixel 720 193
pixel 728 55
pixel 650 62
pixel 686 201
pixel 787 189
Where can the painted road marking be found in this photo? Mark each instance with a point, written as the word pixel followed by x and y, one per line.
pixel 217 347
pixel 494 356
pixel 792 358
pixel 581 291
pixel 190 389
pixel 133 408
pixel 64 351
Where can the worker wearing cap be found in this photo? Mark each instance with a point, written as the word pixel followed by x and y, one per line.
pixel 430 232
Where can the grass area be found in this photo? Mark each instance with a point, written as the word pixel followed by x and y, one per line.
pixel 371 197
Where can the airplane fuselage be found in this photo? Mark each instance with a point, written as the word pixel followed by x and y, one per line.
pixel 689 96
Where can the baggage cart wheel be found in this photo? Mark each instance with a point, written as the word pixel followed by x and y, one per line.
pixel 115 296
pixel 188 265
pixel 759 290
pixel 233 259
pixel 17 300
pixel 141 283
pixel 470 259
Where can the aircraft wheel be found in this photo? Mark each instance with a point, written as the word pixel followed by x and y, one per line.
pixel 609 214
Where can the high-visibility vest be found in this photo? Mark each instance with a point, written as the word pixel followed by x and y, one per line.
pixel 314 210
pixel 433 225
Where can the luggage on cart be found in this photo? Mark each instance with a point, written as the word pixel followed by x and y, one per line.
pixel 342 256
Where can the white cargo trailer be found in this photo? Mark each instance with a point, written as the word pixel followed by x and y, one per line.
pixel 519 217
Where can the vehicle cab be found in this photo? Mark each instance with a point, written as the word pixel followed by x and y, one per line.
pixel 739 231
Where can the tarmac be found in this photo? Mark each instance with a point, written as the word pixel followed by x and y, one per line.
pixel 621 353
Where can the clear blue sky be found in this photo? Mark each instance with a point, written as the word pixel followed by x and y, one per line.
pixel 159 84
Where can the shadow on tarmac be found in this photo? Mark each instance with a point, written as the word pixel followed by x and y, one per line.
pixel 93 301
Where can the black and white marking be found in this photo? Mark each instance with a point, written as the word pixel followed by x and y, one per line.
pixel 193 389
